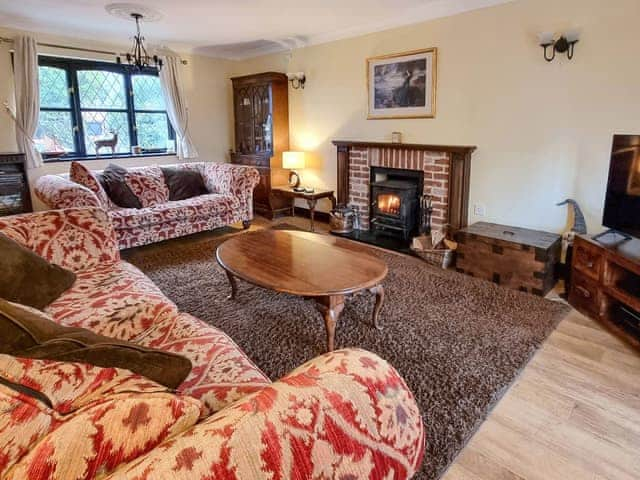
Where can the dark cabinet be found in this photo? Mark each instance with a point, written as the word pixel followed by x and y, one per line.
pixel 261 117
pixel 14 187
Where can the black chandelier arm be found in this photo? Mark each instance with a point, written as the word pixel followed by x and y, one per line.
pixel 132 56
pixel 144 52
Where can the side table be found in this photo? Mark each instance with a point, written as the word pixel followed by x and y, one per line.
pixel 311 198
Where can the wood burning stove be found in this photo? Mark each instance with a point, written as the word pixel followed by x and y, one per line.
pixel 394 200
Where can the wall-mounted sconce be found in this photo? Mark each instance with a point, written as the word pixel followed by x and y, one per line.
pixel 564 44
pixel 297 79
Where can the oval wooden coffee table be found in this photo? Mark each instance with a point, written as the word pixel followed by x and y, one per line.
pixel 322 267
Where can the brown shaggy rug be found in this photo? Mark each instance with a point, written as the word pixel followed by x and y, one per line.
pixel 459 342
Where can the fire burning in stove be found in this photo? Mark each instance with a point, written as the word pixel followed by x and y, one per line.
pixel 389 203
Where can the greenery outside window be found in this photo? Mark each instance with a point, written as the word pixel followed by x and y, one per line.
pixel 83 101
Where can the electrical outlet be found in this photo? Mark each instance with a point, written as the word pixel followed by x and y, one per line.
pixel 479 210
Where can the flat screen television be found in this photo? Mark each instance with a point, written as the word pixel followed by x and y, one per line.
pixel 622 201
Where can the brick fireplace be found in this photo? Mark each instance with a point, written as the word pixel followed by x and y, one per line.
pixel 446 171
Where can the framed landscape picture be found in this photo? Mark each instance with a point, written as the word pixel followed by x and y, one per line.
pixel 402 85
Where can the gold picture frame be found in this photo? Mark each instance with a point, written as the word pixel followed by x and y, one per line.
pixel 402 85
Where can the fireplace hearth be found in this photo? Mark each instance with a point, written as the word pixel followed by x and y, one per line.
pixel 394 201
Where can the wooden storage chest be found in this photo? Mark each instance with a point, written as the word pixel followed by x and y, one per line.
pixel 513 257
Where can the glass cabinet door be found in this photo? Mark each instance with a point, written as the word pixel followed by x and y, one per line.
pixel 244 120
pixel 262 126
pixel 254 122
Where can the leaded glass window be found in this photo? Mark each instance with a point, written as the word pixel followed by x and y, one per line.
pixel 152 124
pixel 84 102
pixel 55 129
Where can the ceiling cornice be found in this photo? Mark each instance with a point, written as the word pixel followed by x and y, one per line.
pixel 430 11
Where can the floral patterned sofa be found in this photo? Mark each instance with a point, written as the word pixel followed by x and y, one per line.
pixel 230 200
pixel 343 415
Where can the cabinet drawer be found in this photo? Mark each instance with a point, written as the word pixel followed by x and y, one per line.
pixel 584 294
pixel 587 259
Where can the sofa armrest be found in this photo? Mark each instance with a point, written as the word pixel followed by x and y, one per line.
pixel 236 180
pixel 346 414
pixel 68 420
pixel 74 238
pixel 57 192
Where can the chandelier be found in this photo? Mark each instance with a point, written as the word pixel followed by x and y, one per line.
pixel 138 57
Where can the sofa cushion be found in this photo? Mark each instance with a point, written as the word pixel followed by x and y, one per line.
pixel 80 174
pixel 221 372
pixel 148 185
pixel 30 333
pixel 115 300
pixel 113 181
pixel 184 183
pixel 84 421
pixel 210 205
pixel 28 278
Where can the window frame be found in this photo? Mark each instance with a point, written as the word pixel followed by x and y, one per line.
pixel 72 66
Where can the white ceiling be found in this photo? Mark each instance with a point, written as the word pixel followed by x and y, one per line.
pixel 230 28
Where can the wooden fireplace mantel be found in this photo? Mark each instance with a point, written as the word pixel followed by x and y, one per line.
pixel 459 173
pixel 406 146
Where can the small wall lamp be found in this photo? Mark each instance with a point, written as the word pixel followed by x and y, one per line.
pixel 297 79
pixel 564 44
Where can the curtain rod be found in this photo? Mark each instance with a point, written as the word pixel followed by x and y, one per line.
pixel 78 49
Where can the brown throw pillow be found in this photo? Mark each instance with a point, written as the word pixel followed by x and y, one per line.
pixel 112 180
pixel 29 333
pixel 183 183
pixel 28 278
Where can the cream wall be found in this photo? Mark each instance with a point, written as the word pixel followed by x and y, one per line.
pixel 207 87
pixel 543 130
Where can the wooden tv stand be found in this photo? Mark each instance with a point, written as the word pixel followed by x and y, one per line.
pixel 605 284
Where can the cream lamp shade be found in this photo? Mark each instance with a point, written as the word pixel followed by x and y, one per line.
pixel 292 160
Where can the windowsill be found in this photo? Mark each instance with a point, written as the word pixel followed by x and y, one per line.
pixel 108 157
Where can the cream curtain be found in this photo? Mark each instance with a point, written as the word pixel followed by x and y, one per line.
pixel 25 64
pixel 176 103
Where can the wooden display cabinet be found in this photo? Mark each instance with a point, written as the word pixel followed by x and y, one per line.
pixel 606 285
pixel 261 121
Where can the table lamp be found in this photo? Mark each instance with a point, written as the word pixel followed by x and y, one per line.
pixel 292 161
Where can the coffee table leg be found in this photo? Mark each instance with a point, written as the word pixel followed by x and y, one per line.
pixel 331 307
pixel 234 286
pixel 379 291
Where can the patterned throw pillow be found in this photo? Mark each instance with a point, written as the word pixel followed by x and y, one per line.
pixel 148 185
pixel 30 333
pixel 80 174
